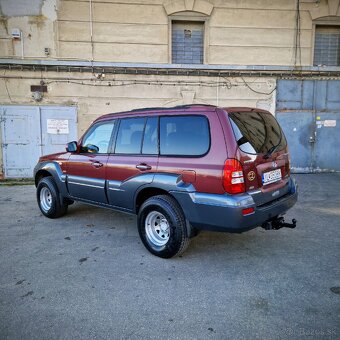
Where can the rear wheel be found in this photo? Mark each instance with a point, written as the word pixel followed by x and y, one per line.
pixel 49 201
pixel 162 226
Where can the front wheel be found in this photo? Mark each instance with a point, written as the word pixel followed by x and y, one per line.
pixel 162 226
pixel 49 200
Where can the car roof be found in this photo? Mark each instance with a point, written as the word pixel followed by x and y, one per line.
pixel 243 109
pixel 182 108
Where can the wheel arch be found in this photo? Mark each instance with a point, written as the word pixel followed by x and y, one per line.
pixel 148 192
pixel 52 169
pixel 145 194
pixel 40 175
pixel 162 184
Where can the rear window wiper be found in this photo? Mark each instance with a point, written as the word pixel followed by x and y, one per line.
pixel 271 151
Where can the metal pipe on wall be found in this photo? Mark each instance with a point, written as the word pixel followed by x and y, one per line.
pixel 91 31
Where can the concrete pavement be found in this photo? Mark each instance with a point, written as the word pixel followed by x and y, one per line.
pixel 88 276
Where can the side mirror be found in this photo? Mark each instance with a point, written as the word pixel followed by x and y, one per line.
pixel 71 147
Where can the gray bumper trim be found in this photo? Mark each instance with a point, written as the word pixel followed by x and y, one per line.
pixel 224 212
pixel 243 200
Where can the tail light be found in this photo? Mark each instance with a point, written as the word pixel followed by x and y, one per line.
pixel 287 167
pixel 233 180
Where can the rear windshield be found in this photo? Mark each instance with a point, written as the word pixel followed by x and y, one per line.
pixel 257 132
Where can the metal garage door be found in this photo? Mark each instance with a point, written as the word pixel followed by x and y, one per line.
pixel 31 131
pixel 309 113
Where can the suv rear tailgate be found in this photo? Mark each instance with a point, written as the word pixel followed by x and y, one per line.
pixel 261 148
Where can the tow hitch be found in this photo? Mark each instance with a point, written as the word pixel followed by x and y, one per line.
pixel 278 223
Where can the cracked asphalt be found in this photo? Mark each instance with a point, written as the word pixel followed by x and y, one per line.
pixel 87 275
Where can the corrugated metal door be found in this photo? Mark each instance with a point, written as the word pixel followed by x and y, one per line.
pixel 309 113
pixel 20 130
pixel 31 131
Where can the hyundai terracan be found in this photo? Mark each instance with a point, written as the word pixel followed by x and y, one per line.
pixel 180 169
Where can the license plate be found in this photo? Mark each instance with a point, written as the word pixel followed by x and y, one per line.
pixel 271 176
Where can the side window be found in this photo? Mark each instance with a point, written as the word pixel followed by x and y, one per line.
pixel 184 136
pixel 129 138
pixel 98 139
pixel 150 141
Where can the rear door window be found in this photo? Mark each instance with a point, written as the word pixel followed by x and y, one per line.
pixel 257 132
pixel 130 134
pixel 184 136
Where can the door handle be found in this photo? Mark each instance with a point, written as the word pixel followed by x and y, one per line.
pixel 97 164
pixel 143 167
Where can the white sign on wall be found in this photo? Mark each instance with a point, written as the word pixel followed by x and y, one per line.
pixel 57 126
pixel 330 123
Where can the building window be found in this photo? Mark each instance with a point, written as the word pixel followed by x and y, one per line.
pixel 187 42
pixel 327 45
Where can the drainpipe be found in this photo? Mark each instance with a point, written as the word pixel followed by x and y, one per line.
pixel 217 90
pixel 91 30
pixel 22 45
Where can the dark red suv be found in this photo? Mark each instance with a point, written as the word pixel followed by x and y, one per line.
pixel 179 169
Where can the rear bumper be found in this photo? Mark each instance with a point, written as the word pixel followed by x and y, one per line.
pixel 224 212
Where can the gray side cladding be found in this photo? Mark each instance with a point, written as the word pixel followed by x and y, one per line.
pixel 54 169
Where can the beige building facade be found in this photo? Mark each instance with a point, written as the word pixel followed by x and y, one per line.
pixel 102 56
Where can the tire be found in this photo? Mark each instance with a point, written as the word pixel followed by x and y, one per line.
pixel 49 200
pixel 162 226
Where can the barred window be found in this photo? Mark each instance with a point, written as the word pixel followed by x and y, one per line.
pixel 327 45
pixel 187 42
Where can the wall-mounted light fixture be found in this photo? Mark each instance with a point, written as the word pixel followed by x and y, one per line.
pixel 16 34
pixel 38 91
pixel 37 96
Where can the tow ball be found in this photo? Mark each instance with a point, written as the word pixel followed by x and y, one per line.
pixel 278 223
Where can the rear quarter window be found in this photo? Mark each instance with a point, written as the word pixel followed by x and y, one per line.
pixel 184 136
